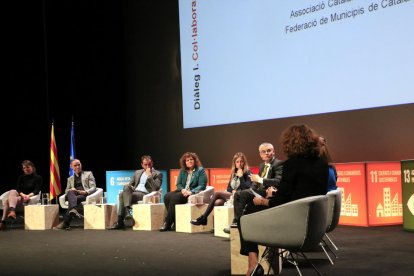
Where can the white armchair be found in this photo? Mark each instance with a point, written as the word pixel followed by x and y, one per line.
pixel 207 194
pixel 33 199
pixel 147 197
pixel 94 197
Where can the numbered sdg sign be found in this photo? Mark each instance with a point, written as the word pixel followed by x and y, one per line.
pixel 407 174
pixel 384 198
pixel 352 182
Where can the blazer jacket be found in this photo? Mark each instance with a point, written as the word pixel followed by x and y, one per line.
pixel 88 182
pixel 274 176
pixel 302 177
pixel 153 182
pixel 198 180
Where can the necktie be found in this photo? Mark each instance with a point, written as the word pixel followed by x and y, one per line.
pixel 264 172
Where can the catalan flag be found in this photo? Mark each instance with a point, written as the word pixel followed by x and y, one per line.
pixel 72 148
pixel 55 187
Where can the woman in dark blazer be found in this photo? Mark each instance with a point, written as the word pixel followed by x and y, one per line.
pixel 304 174
pixel 191 180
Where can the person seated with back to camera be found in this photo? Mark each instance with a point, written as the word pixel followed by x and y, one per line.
pixel 192 179
pixel 305 173
pixel 145 180
pixel 239 180
pixel 79 186
pixel 28 184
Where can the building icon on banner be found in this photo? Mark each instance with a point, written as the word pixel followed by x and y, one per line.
pixel 348 209
pixel 390 207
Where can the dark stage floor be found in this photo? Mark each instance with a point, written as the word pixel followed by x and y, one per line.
pixel 387 250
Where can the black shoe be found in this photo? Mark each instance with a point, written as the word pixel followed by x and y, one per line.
pixel 117 226
pixel 3 226
pixel 233 224
pixel 199 221
pixel 75 212
pixel 259 271
pixel 172 228
pixel 165 227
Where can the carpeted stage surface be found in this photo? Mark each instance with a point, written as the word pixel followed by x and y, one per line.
pixel 385 250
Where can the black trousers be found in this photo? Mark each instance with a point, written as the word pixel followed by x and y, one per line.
pixel 242 206
pixel 170 200
pixel 242 199
pixel 75 201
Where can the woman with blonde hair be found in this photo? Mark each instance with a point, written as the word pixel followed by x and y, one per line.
pixel 239 180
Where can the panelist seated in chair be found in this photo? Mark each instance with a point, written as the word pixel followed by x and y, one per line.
pixel 192 179
pixel 145 181
pixel 270 173
pixel 239 181
pixel 28 185
pixel 304 174
pixel 79 186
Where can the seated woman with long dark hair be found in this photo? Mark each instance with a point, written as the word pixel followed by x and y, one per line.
pixel 305 173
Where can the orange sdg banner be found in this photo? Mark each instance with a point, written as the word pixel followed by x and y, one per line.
pixel 173 179
pixel 219 178
pixel 174 175
pixel 384 193
pixel 351 180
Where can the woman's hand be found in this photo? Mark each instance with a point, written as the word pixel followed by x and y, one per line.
pixel 186 193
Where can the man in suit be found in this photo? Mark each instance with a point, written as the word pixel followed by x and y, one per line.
pixel 270 174
pixel 79 186
pixel 145 180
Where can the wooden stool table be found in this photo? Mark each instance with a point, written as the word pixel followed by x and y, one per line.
pixel 148 216
pixel 99 216
pixel 239 263
pixel 41 217
pixel 184 213
pixel 223 217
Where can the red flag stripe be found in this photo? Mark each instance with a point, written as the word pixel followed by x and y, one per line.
pixel 55 187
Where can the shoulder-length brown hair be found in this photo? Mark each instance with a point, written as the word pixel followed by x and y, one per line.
pixel 28 163
pixel 300 140
pixel 243 157
pixel 197 162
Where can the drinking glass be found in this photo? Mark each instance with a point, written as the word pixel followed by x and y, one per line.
pixel 45 199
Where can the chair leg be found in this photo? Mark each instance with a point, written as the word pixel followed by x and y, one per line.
pixel 322 244
pixel 309 261
pixel 326 235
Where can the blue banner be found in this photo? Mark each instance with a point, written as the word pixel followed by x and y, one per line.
pixel 115 180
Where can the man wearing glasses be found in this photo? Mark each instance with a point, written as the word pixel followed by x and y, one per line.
pixel 270 174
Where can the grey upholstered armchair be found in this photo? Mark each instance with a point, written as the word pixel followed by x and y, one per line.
pixel 294 227
pixel 332 220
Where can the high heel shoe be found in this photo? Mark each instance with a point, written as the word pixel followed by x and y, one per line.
pixel 259 271
pixel 199 221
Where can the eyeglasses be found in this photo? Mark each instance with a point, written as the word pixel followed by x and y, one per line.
pixel 266 151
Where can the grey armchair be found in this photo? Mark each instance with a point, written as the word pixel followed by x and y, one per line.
pixel 294 227
pixel 332 220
